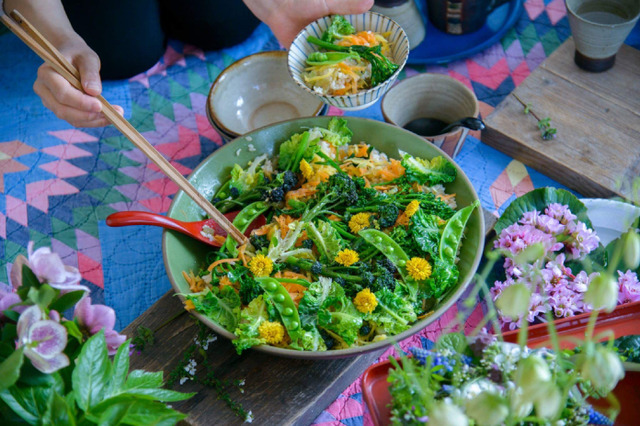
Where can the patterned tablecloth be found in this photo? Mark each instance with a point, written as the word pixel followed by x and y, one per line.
pixel 58 184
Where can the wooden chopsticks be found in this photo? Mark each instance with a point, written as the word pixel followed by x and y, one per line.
pixel 43 48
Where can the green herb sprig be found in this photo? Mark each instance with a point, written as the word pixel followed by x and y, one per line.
pixel 544 124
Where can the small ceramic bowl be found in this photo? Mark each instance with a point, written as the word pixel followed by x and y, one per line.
pixel 256 91
pixel 435 96
pixel 372 21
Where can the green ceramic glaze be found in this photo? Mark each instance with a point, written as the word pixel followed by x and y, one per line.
pixel 182 253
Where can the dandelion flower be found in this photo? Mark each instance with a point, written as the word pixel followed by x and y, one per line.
pixel 412 208
pixel 261 266
pixel 347 257
pixel 188 305
pixel 272 332
pixel 418 268
pixel 365 301
pixel 359 222
pixel 306 169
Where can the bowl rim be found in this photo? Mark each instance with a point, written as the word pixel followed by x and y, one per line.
pixel 274 54
pixel 430 76
pixel 357 350
pixel 391 78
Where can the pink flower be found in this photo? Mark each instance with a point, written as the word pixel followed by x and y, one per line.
pixel 629 287
pixel 48 267
pixel 560 212
pixel 582 241
pixel 542 222
pixel 93 318
pixel 537 307
pixel 43 340
pixel 7 300
pixel 581 281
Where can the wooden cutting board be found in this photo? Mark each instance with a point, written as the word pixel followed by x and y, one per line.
pixel 597 116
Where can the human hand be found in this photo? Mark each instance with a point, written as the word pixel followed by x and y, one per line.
pixel 287 17
pixel 68 103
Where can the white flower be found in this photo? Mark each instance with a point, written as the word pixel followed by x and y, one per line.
pixel 249 418
pixel 549 401
pixel 514 300
pixel 602 367
pixel 445 413
pixel 602 293
pixel 487 409
pixel 532 372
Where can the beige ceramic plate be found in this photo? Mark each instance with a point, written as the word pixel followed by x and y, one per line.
pixel 182 253
pixel 256 91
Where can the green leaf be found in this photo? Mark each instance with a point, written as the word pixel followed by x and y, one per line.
pixel 67 300
pixel 539 199
pixel 426 232
pixel 10 368
pixel 29 402
pixel 143 379
pixel 42 296
pixel 138 412
pixel 31 376
pixel 29 280
pixel 59 412
pixel 12 315
pixel 120 368
pixel 157 394
pixel 9 333
pixel 91 375
pixel 455 342
pixel 73 330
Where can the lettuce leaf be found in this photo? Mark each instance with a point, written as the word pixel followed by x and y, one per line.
pixel 312 299
pixel 222 306
pixel 246 180
pixel 247 333
pixel 326 238
pixel 393 313
pixel 425 232
pixel 430 172
pixel 338 314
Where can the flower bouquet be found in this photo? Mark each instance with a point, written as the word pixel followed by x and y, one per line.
pixel 55 370
pixel 483 380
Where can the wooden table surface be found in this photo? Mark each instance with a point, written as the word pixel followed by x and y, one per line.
pixel 278 391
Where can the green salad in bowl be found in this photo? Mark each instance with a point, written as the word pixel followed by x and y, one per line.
pixel 369 235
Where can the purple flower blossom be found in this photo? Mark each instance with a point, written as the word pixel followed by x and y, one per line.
pixel 629 287
pixel 537 307
pixel 93 318
pixel 48 267
pixel 583 240
pixel 43 340
pixel 565 302
pixel 560 212
pixel 581 281
pixel 516 238
pixel 7 300
pixel 542 222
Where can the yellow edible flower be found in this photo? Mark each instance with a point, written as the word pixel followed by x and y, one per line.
pixel 261 266
pixel 359 221
pixel 418 268
pixel 306 169
pixel 347 257
pixel 272 332
pixel 188 305
pixel 412 208
pixel 365 301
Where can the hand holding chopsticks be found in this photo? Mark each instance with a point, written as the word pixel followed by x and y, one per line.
pixel 43 48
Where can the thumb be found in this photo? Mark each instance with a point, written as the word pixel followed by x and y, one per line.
pixel 347 7
pixel 88 65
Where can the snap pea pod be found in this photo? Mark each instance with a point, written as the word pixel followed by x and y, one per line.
pixel 330 58
pixel 393 252
pixel 299 281
pixel 284 304
pixel 242 222
pixel 453 231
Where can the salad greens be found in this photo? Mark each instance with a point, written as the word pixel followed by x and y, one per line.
pixel 355 248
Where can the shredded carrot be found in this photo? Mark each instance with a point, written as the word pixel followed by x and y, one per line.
pixel 334 218
pixel 425 315
pixel 362 150
pixel 284 220
pixel 263 230
pixel 220 239
pixel 300 193
pixel 241 255
pixel 296 291
pixel 225 281
pixel 221 261
pixel 445 197
pixel 403 220
pixel 303 236
pixel 385 187
pixel 187 278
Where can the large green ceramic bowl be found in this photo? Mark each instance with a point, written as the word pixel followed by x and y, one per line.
pixel 182 253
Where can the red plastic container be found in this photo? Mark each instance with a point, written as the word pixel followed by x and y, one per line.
pixel 623 321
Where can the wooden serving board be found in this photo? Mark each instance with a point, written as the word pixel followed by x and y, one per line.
pixel 596 151
pixel 278 391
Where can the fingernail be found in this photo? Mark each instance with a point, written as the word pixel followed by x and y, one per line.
pixel 93 85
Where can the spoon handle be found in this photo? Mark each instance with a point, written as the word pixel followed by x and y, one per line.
pixel 145 218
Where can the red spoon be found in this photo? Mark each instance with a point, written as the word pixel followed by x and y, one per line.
pixel 192 229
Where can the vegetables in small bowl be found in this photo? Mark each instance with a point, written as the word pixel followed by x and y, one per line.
pixel 271 265
pixel 349 61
